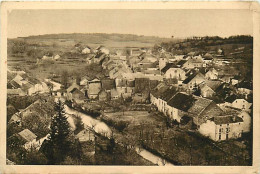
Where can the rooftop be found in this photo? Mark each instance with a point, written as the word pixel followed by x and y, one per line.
pixel 27 135
pixel 226 119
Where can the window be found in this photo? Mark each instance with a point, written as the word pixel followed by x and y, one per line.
pixel 219 137
pixel 227 130
pixel 220 130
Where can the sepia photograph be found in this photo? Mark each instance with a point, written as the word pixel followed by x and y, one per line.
pixel 129 87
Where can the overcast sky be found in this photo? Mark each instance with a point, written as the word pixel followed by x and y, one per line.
pixel 163 23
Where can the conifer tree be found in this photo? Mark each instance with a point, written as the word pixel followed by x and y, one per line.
pixel 59 143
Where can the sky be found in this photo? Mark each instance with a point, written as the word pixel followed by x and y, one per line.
pixel 162 23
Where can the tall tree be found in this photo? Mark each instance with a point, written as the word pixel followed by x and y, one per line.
pixel 59 144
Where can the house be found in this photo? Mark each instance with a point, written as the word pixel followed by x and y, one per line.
pixel 26 136
pixel 84 81
pixel 140 97
pixel 193 80
pixel 16 92
pixel 13 85
pixel 226 78
pixel 162 63
pixel 194 62
pixel 114 94
pixel 173 72
pixel 245 87
pixel 28 89
pixel 247 120
pixel 76 95
pixel 208 88
pixel 179 105
pixel 156 92
pixel 103 96
pixel 20 80
pixel 72 87
pixel 94 87
pixel 59 93
pixel 52 85
pixel 103 49
pixel 57 57
pixel 220 128
pixel 108 84
pixel 241 104
pixel 86 50
pixel 99 58
pixel 164 97
pixel 205 90
pixel 211 74
pixel 200 109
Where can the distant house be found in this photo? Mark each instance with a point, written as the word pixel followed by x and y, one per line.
pixel 209 87
pixel 28 89
pixel 54 86
pixel 103 96
pixel 108 84
pixel 226 78
pixel 114 94
pixel 72 87
pixel 57 57
pixel 194 62
pixel 20 80
pixel 76 95
pixel 162 63
pixel 13 85
pixel 99 58
pixel 140 97
pixel 94 87
pixel 84 81
pixel 211 74
pixel 16 92
pixel 193 80
pixel 220 128
pixel 173 72
pixel 86 50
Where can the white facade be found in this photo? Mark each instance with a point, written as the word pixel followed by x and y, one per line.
pixel 241 104
pixel 247 121
pixel 177 73
pixel 221 132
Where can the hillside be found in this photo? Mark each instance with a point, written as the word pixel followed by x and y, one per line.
pixel 96 39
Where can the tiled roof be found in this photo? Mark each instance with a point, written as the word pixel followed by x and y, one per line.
pixel 187 80
pixel 181 62
pixel 159 89
pixel 182 101
pixel 108 84
pixel 27 135
pixel 226 119
pixel 168 66
pixel 199 105
pixel 213 84
pixel 169 93
pixel 245 84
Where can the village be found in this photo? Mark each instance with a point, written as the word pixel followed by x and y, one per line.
pixel 192 108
